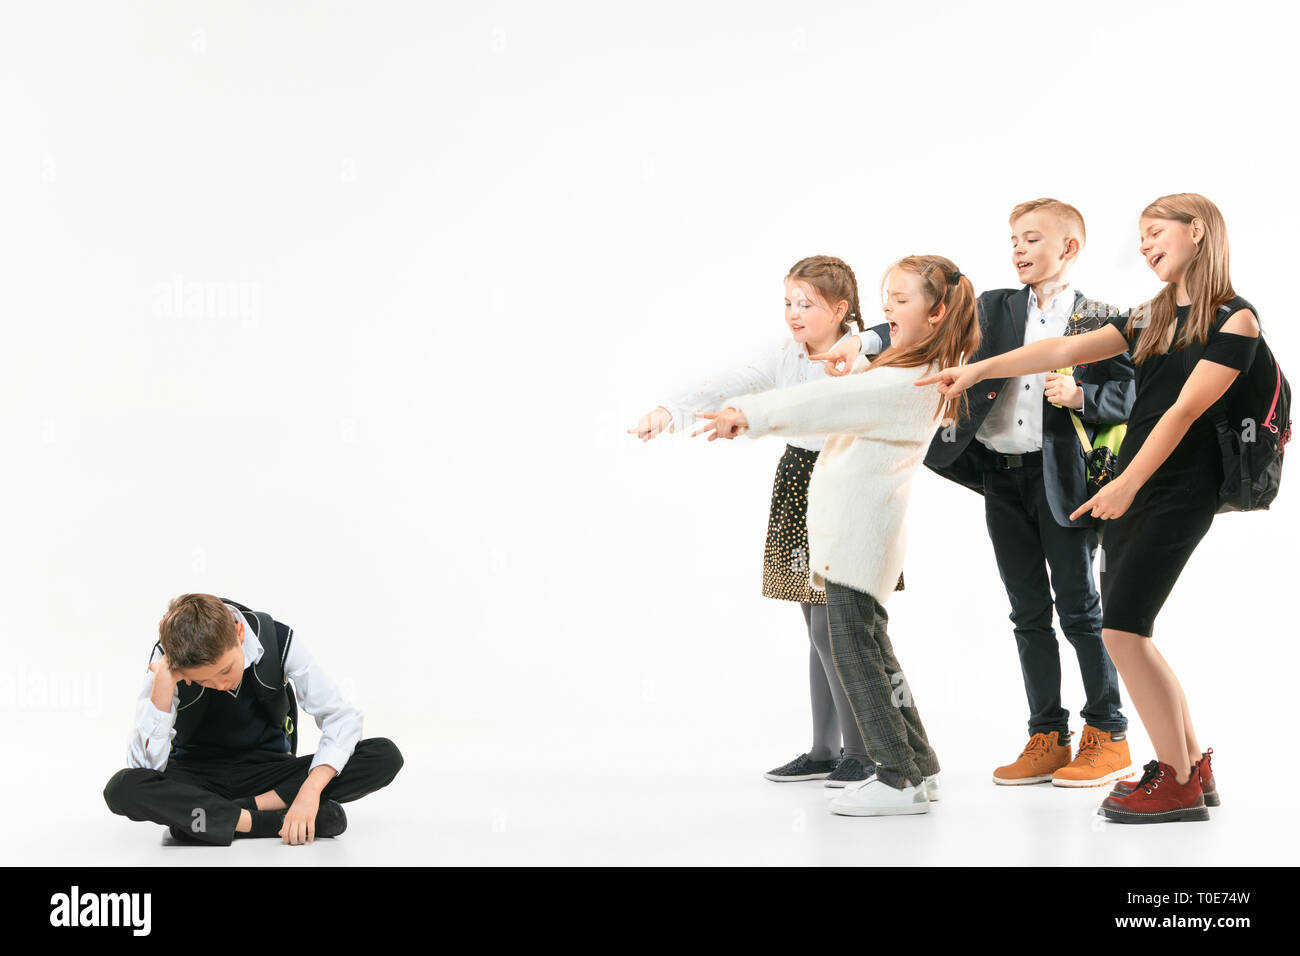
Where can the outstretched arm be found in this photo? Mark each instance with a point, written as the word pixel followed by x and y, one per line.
pixel 876 403
pixel 756 375
pixel 1205 386
pixel 1041 356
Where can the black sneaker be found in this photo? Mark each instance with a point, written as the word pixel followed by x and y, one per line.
pixel 330 819
pixel 801 768
pixel 850 770
pixel 183 835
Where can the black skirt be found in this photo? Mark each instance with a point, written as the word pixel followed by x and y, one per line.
pixel 786 574
pixel 1145 549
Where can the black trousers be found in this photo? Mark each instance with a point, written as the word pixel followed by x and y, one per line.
pixel 1028 542
pixel 197 795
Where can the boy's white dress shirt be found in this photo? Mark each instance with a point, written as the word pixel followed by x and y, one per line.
pixel 338 719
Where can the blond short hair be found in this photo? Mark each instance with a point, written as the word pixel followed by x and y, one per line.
pixel 1063 211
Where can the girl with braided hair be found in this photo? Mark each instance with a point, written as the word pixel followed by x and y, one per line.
pixel 877 426
pixel 821 309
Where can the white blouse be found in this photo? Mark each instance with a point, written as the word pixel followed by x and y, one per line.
pixel 777 366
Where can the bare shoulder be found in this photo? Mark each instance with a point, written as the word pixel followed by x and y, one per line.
pixel 1242 322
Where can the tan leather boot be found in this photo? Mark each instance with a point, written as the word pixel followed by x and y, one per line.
pixel 1101 759
pixel 1042 756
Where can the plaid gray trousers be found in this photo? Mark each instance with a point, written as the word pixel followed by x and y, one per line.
pixel 876 688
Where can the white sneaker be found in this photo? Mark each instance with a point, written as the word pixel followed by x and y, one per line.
pixel 932 788
pixel 873 798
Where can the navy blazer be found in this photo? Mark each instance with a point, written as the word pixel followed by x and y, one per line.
pixel 1108 393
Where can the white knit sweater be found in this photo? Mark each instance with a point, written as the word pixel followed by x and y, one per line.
pixel 878 427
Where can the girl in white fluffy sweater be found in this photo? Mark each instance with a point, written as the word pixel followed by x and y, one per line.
pixel 878 425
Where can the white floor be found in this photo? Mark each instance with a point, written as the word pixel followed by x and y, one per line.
pixel 640 811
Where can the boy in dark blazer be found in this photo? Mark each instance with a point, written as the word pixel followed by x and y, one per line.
pixel 1018 447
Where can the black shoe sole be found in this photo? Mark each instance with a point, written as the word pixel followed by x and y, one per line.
pixel 1189 815
pixel 181 835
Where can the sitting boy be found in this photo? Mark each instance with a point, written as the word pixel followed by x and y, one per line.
pixel 213 751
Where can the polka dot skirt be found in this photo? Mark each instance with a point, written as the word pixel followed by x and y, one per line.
pixel 785 557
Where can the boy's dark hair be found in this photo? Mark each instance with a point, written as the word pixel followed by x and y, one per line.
pixel 196 630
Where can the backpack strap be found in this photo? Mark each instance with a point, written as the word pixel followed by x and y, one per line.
pixel 1235 304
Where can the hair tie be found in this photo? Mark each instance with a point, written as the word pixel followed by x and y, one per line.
pixel 953 277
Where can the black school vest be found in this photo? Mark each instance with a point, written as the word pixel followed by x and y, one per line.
pixel 264 713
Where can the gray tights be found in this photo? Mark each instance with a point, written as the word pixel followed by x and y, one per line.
pixel 833 720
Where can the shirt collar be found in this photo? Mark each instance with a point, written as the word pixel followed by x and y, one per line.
pixel 1063 301
pixel 252 646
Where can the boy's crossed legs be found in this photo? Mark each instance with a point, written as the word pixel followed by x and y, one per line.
pixel 199 796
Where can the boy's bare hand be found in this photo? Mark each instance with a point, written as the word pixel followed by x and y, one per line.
pixel 162 671
pixel 1063 390
pixel 300 819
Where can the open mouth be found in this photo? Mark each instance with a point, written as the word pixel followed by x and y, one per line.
pixel 1023 265
pixel 1156 259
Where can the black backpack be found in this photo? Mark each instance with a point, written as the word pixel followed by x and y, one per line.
pixel 1253 423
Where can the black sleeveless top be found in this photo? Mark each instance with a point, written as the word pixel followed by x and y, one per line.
pixel 1160 379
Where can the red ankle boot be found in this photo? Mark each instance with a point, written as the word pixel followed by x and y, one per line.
pixel 1159 798
pixel 1208 788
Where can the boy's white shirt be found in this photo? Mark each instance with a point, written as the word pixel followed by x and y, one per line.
pixel 878 427
pixel 338 719
pixel 1014 423
pixel 780 365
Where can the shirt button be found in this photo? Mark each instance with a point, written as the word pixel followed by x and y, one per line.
pixel 1020 421
pixel 993 394
pixel 1026 386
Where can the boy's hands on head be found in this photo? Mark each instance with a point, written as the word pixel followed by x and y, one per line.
pixel 164 684
pixel 840 359
pixel 162 672
pixel 727 424
pixel 651 424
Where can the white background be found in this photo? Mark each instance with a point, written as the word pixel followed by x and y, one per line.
pixel 341 310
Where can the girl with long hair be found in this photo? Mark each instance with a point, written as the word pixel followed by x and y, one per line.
pixel 877 427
